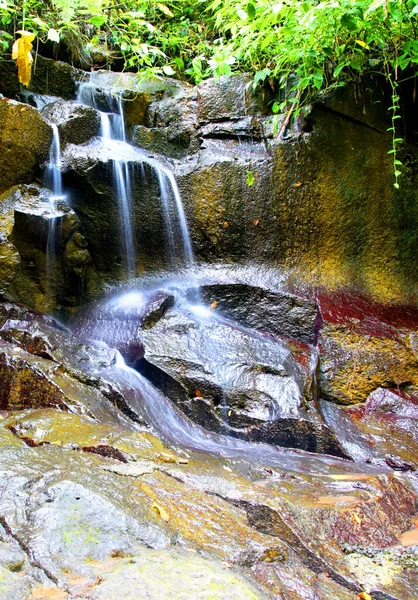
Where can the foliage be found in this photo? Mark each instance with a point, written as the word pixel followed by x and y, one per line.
pixel 298 47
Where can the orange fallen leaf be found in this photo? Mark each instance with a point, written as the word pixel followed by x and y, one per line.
pixel 198 393
pixel 332 500
pixel 356 518
pixel 48 593
pixel 161 511
pixel 214 304
pixel 226 224
pixel 364 596
pixel 409 538
pixel 298 184
pixel 256 222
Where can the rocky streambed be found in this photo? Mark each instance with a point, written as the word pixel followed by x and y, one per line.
pixel 239 425
pixel 108 489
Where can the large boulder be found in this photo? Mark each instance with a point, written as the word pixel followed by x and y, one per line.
pixel 49 264
pixel 76 124
pixel 231 380
pixel 25 139
pixel 52 77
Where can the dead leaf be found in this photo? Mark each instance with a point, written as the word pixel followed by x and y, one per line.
pixel 364 596
pixel 298 184
pixel 48 593
pixel 198 393
pixel 229 413
pixel 135 469
pixel 161 511
pixel 409 538
pixel 226 224
pixel 350 477
pixel 214 304
pixel 332 500
pixel 21 54
pixel 356 518
pixel 256 222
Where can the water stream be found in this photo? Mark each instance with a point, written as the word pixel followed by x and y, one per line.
pixel 53 177
pixel 112 129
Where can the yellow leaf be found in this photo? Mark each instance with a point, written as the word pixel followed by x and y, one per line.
pixel 356 518
pixel 214 304
pixel 364 596
pixel 298 184
pixel 48 593
pixel 21 54
pixel 161 511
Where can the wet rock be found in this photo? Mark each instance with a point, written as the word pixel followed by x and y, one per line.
pixel 229 98
pixel 383 430
pixel 279 314
pixel 170 126
pixel 118 322
pixel 357 359
pixel 28 220
pixel 42 365
pixel 9 263
pixel 76 124
pixel 49 76
pixel 24 143
pixel 259 390
pixel 181 577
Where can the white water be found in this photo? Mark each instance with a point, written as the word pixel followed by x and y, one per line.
pixel 54 181
pixel 112 129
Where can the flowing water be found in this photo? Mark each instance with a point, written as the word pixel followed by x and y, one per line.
pixel 112 129
pixel 53 176
pixel 142 397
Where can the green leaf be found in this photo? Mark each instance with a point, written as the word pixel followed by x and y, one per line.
pixel 164 9
pixel 251 10
pixel 250 178
pixel 349 22
pixel 98 20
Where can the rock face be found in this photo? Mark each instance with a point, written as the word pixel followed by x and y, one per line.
pixel 25 139
pixel 76 124
pixel 34 272
pixel 361 350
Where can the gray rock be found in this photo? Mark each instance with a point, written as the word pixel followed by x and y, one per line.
pixel 229 98
pixel 76 124
pixel 272 312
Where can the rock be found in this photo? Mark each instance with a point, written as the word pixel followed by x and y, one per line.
pixel 181 577
pixel 9 263
pixel 51 77
pixel 384 430
pixel 42 365
pixel 25 139
pixel 119 320
pixel 357 359
pixel 279 314
pixel 259 390
pixel 170 125
pixel 76 124
pixel 28 220
pixel 89 178
pixel 229 98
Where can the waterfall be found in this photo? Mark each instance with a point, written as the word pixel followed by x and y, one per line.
pixel 53 177
pixel 113 134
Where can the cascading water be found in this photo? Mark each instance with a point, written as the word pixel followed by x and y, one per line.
pixel 53 177
pixel 112 129
pixel 113 134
